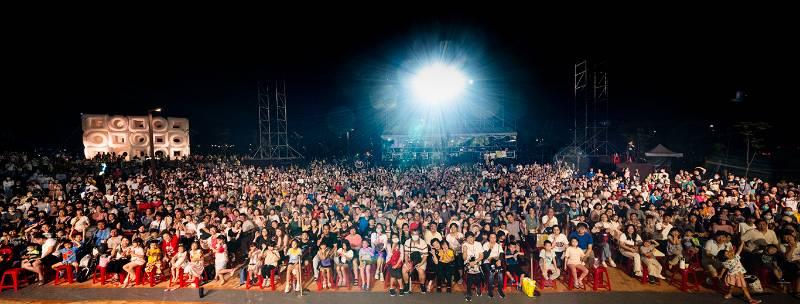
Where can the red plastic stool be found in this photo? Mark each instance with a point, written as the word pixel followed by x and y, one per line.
pixel 686 285
pixel 14 274
pixel 151 277
pixel 99 275
pixel 505 281
pixel 67 269
pixel 600 279
pixel 571 282
pixel 180 278
pixel 330 283
pixel 184 278
pixel 547 283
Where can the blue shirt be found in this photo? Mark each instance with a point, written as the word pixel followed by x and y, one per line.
pixel 583 240
pixel 101 235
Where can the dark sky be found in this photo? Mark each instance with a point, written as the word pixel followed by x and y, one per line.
pixel 662 70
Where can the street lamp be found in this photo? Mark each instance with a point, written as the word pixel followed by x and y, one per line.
pixel 150 130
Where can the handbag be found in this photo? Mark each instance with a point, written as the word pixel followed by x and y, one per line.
pixel 103 262
pixel 754 284
pixel 529 287
pixel 325 263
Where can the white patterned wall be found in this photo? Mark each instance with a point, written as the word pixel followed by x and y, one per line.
pixel 130 134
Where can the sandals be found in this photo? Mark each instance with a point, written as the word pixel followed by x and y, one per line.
pixel 754 301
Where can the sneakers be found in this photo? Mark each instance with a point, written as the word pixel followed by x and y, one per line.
pixel 381 277
pixel 491 294
pixel 604 264
pixel 501 293
pixel 288 287
pixel 391 292
pixel 468 298
pixel 611 262
pixel 296 286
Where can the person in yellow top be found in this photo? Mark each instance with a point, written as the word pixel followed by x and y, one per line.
pixel 153 259
pixel 445 258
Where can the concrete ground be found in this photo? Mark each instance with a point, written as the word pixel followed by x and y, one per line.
pixel 53 295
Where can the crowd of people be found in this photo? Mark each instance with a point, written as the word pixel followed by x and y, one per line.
pixel 213 218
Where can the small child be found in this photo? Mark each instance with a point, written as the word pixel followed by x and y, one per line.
pixel 573 258
pixel 366 257
pixel 547 261
pixel 178 262
pixel 68 255
pixel 734 273
pixel 513 269
pixel 153 259
pixel 690 243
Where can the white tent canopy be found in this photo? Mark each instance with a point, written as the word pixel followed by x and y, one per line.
pixel 661 151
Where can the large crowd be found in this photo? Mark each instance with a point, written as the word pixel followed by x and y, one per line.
pixel 214 218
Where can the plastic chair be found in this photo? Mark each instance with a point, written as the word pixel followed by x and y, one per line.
pixel 600 279
pixel 67 269
pixel 13 274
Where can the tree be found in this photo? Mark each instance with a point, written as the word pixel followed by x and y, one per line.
pixel 753 136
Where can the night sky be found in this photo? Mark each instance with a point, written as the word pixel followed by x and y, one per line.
pixel 663 71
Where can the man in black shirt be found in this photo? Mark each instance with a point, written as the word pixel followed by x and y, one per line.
pixel 328 238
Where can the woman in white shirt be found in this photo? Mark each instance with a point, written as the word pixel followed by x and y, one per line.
pixel 629 247
pixel 137 259
pixel 560 244
pixel 602 229
pixel 379 240
pixel 79 223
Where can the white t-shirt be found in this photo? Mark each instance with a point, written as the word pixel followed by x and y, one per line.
pixel 623 238
pixel 554 222
pixel 494 252
pixel 48 245
pixel 473 250
pixel 713 248
pixel 560 242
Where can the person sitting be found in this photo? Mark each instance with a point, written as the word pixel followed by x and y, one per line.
pixel 755 243
pixel 325 257
pixel 629 243
pixel 574 260
pixel 153 259
pixel 584 240
pixel 547 262
pixel 271 259
pixel 647 251
pixel 495 273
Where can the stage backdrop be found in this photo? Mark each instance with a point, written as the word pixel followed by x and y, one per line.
pixel 130 135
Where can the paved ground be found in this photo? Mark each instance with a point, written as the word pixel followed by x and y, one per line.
pixel 52 295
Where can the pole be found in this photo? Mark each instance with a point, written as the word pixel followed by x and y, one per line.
pixel 152 149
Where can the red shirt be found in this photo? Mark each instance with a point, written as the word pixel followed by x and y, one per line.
pixel 394 258
pixel 170 248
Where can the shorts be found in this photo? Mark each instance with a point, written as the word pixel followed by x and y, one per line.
pixel 50 260
pixel 368 262
pixel 396 273
pixel 515 269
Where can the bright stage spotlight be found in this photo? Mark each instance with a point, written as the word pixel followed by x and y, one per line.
pixel 438 83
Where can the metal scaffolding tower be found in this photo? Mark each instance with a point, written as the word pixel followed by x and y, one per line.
pixel 590 125
pixel 273 141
